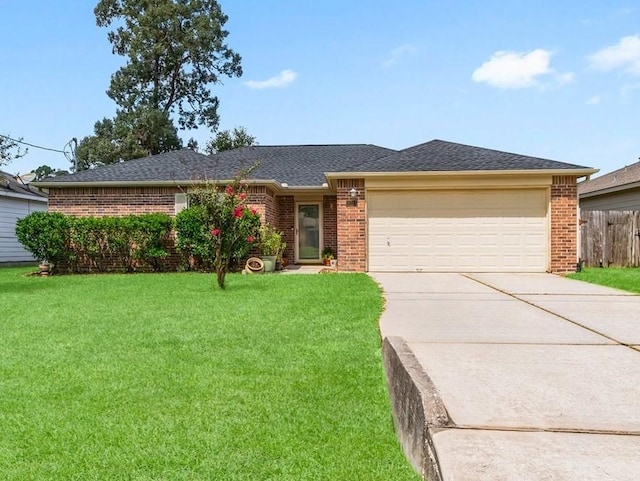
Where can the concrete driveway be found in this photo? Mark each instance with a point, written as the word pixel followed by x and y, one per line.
pixel 513 376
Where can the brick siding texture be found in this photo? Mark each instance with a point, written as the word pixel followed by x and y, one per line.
pixel 351 226
pixel 285 209
pixel 330 222
pixel 263 200
pixel 564 224
pixel 115 201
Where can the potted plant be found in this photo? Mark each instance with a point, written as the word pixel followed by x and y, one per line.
pixel 281 261
pixel 270 246
pixel 328 255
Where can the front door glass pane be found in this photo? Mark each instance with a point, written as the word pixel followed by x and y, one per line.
pixel 309 231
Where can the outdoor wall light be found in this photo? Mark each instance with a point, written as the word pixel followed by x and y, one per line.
pixel 353 192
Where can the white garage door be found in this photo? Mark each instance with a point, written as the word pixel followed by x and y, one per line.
pixel 473 231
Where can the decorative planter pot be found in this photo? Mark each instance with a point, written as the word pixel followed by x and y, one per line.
pixel 269 263
pixel 254 265
pixel 334 263
pixel 43 269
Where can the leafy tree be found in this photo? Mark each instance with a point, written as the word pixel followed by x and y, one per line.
pixel 45 171
pixel 175 51
pixel 128 136
pixel 229 140
pixel 10 150
pixel 192 144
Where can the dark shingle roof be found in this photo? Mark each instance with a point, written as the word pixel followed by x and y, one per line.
pixel 9 184
pixel 306 165
pixel 177 165
pixel 439 156
pixel 296 165
pixel 627 175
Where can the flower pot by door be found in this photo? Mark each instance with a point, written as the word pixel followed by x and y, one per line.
pixel 269 263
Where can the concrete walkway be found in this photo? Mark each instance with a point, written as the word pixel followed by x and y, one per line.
pixel 513 376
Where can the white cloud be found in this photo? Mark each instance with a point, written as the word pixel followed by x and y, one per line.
pixel 283 79
pixel 514 70
pixel 397 53
pixel 595 100
pixel 625 55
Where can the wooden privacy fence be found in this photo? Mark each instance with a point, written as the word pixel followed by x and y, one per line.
pixel 610 238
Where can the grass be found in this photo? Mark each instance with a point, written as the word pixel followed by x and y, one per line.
pixel 627 279
pixel 163 377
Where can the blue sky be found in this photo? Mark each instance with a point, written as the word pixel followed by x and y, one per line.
pixel 553 79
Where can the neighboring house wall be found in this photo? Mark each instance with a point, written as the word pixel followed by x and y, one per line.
pixel 352 226
pixel 116 201
pixel 12 209
pixel 564 224
pixel 628 199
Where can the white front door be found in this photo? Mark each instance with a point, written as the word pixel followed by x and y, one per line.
pixel 308 232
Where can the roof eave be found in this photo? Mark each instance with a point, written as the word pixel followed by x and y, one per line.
pixel 578 172
pixel 16 195
pixel 151 183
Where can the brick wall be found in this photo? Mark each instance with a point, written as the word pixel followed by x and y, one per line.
pixel 564 219
pixel 115 201
pixel 330 222
pixel 285 208
pixel 263 200
pixel 351 226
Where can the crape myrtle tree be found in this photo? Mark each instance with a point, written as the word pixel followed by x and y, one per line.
pixel 175 50
pixel 232 224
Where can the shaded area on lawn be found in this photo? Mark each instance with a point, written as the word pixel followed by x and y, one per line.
pixel 166 377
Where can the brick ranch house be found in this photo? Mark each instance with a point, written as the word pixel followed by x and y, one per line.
pixel 437 206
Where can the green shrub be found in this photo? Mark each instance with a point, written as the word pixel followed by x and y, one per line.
pixel 96 243
pixel 150 233
pixel 89 243
pixel 193 239
pixel 46 235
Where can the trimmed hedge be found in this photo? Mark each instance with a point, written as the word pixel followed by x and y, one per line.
pixel 102 244
pixel 193 239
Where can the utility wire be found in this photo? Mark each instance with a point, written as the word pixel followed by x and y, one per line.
pixel 31 145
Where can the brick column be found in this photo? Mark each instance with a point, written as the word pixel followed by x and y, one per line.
pixel 330 222
pixel 352 226
pixel 564 224
pixel 286 223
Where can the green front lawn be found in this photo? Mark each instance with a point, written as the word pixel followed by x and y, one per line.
pixel 627 279
pixel 164 377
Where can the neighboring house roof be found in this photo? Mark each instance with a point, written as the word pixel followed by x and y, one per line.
pixel 12 187
pixel 442 156
pixel 308 165
pixel 626 177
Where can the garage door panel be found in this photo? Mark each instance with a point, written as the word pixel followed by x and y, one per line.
pixel 458 230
